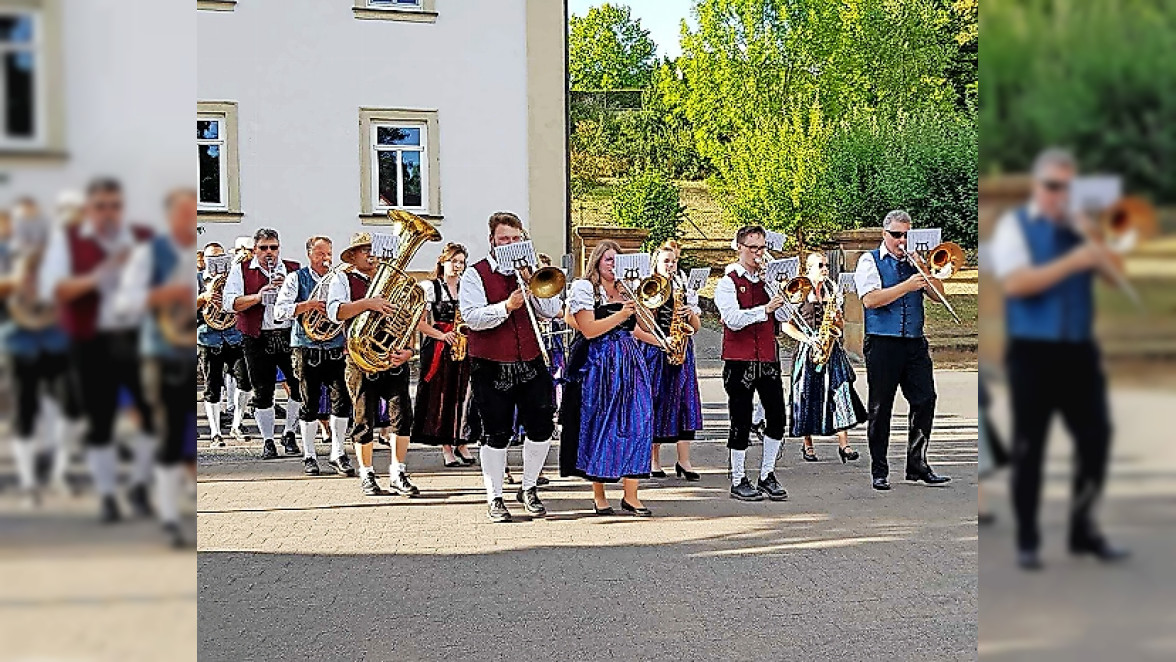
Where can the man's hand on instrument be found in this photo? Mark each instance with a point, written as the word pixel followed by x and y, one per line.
pixel 401 357
pixel 775 303
pixel 515 301
pixel 1085 257
pixel 378 305
pixel 307 306
pixel 916 282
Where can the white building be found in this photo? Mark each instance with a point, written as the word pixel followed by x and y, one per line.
pixel 88 89
pixel 317 116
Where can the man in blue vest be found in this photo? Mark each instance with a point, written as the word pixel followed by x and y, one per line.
pixel 892 291
pixel 1047 270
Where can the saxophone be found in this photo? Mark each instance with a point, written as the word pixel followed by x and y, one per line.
pixel 680 330
pixel 828 333
pixel 373 338
pixel 460 337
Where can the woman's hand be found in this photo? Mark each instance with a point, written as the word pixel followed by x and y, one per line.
pixel 448 338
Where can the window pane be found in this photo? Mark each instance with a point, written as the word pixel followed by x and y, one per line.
pixel 210 174
pixel 411 165
pixel 207 129
pixel 16 29
pixel 19 95
pixel 397 135
pixel 386 179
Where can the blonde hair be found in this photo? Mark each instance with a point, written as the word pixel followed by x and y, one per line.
pixel 448 253
pixel 592 269
pixel 670 245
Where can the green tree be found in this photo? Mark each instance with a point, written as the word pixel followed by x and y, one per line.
pixel 649 200
pixel 608 50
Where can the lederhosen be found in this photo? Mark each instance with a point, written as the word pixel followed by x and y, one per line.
pixel 265 351
pixel 751 365
pixel 507 370
pixel 367 390
pixel 444 383
pixel 218 352
pixel 317 364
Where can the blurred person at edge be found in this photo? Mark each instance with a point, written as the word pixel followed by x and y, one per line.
pixel 1046 267
pixel 40 361
pixel 81 271
pixel 157 285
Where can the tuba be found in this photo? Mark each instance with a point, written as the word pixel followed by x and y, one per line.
pixel 215 316
pixel 317 325
pixel 373 338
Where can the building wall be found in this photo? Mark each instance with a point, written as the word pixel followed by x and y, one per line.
pixel 299 71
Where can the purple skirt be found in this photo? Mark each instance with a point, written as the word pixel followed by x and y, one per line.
pixel 677 405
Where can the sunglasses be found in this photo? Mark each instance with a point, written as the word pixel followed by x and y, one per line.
pixel 108 206
pixel 268 247
pixel 896 235
pixel 822 265
pixel 1055 186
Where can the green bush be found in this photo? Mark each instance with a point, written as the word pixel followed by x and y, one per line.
pixel 649 200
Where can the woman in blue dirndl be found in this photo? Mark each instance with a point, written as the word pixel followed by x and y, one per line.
pixel 677 405
pixel 607 410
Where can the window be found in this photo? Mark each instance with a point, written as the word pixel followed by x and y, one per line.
pixel 216 147
pixel 400 165
pixel 420 11
pixel 216 5
pixel 22 79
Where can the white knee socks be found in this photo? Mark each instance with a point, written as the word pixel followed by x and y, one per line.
pixel 293 408
pixel 144 448
pixel 24 455
pixel 242 402
pixel 771 452
pixel 309 430
pixel 534 456
pixel 104 468
pixel 265 422
pixel 168 483
pixel 338 434
pixel 212 411
pixel 738 458
pixel 493 471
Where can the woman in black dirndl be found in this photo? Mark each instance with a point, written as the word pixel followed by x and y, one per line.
pixel 441 391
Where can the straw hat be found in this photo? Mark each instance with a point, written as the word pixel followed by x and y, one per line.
pixel 358 240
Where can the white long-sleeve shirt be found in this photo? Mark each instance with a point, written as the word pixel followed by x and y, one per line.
pixel 135 284
pixel 481 315
pixel 235 287
pixel 727 301
pixel 288 296
pixel 338 293
pixel 55 267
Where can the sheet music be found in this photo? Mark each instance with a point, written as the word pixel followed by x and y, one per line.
pixel 924 239
pixel 847 283
pixel 520 253
pixel 632 266
pixel 1094 193
pixel 217 265
pixel 777 273
pixel 774 240
pixel 697 278
pixel 385 246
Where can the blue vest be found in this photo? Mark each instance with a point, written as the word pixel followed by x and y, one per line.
pixel 163 262
pixel 298 337
pixel 902 317
pixel 1064 312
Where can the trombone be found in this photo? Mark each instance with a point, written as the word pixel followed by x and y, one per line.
pixel 944 261
pixel 795 291
pixel 1123 224
pixel 652 292
pixel 544 283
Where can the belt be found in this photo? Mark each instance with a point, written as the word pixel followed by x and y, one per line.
pixel 313 356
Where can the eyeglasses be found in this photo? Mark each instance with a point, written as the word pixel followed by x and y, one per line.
pixel 1055 186
pixel 268 247
pixel 754 249
pixel 896 235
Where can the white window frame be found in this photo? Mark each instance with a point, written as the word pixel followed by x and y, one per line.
pixel 229 211
pixel 222 142
pixel 40 115
pixel 372 209
pixel 377 149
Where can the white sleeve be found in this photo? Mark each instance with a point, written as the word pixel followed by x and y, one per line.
pixel 134 283
pixel 54 266
pixel 477 313
pixel 548 308
pixel 287 299
pixel 866 277
pixel 580 297
pixel 427 287
pixel 734 317
pixel 1007 250
pixel 338 293
pixel 234 287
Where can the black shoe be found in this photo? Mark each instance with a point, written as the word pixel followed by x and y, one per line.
pixel 268 450
pixel 657 474
pixel 468 461
pixel 772 488
pixel 400 485
pixel 382 442
pixel 310 466
pixel 218 442
pixel 290 446
pixel 509 478
pixel 342 466
pixel 454 463
pixel 140 503
pixel 639 512
pixel 847 454
pixel 603 512
pixel 369 485
pixel 1100 549
pixel 929 477
pixel 498 511
pixel 808 453
pixel 1028 559
pixel 688 475
pixel 530 500
pixel 109 513
pixel 175 535
pixel 745 492
pixel 881 484
pixel 542 480
pixel 986 519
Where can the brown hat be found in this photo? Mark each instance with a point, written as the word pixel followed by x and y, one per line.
pixel 358 240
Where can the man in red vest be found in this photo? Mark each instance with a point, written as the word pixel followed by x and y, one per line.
pixel 81 271
pixel 751 363
pixel 346 299
pixel 507 369
pixel 251 291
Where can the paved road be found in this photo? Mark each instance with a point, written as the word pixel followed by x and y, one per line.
pixel 306 568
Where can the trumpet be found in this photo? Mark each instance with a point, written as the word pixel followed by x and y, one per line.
pixel 943 262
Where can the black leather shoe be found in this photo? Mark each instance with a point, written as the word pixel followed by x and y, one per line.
pixel 1028 559
pixel 772 488
pixel 310 466
pixel 929 477
pixel 745 492
pixel 454 463
pixel 808 453
pixel 400 485
pixel 530 500
pixel 218 441
pixel 542 480
pixel 881 484
pixel 369 485
pixel 660 473
pixel 342 466
pixel 498 512
pixel 268 450
pixel 509 478
pixel 109 513
pixel 847 454
pixel 290 446
pixel 688 475
pixel 468 461
pixel 140 503
pixel 603 512
pixel 638 512
pixel 986 519
pixel 1101 550
pixel 175 536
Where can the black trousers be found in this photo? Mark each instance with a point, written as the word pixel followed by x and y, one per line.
pixel 214 362
pixel 366 392
pixel 893 362
pixel 105 364
pixel 1065 378
pixel 316 368
pixel 499 388
pixel 169 383
pixel 742 380
pixel 42 373
pixel 263 356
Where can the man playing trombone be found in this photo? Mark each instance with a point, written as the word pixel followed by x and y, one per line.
pixel 891 288
pixel 507 367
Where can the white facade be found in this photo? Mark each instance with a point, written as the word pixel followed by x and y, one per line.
pixel 300 71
